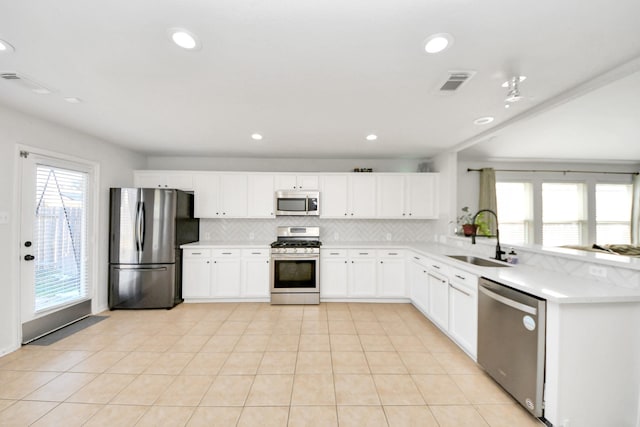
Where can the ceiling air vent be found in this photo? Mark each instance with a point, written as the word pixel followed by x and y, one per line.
pixel 25 83
pixel 455 80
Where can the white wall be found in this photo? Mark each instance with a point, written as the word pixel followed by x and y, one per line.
pixel 116 166
pixel 447 165
pixel 281 165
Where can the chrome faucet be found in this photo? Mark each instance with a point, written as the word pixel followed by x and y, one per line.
pixel 499 251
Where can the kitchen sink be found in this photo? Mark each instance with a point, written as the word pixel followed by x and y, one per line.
pixel 481 262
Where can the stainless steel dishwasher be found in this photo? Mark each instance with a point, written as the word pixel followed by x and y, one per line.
pixel 511 341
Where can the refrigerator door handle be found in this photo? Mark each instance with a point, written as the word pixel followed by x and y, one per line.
pixel 142 223
pixel 137 226
pixel 141 268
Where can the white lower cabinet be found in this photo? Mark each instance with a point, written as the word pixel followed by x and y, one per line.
pixel 362 273
pixel 196 273
pixel 418 283
pixel 334 273
pixel 391 273
pixel 255 273
pixel 463 309
pixel 225 273
pixel 438 294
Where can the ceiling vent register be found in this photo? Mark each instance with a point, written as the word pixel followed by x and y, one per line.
pixel 455 80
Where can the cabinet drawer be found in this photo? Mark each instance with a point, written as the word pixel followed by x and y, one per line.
pixel 333 253
pixel 390 253
pixel 437 266
pixel 196 253
pixel 468 280
pixel 362 253
pixel 255 253
pixel 225 253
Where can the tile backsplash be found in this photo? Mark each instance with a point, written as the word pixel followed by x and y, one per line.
pixel 347 230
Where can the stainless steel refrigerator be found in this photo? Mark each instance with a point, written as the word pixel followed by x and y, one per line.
pixel 145 260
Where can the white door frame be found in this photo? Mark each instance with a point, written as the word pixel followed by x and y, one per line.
pixel 92 229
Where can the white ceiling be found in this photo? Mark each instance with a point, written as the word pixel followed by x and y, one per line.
pixel 313 76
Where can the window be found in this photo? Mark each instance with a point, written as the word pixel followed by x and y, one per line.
pixel 514 211
pixel 60 236
pixel 613 213
pixel 563 214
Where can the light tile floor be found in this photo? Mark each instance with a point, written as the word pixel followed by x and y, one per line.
pixel 253 364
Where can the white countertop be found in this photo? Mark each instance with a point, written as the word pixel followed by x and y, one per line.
pixel 219 244
pixel 550 285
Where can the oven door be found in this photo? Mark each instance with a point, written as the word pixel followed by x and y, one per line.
pixel 295 273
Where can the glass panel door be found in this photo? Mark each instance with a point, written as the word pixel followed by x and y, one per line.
pixel 55 262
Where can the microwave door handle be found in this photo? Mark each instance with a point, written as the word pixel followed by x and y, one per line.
pixel 306 205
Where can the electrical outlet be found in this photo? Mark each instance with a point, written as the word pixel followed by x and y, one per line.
pixel 336 236
pixel 597 271
pixel 4 217
pixel 206 235
pixel 252 236
pixel 389 236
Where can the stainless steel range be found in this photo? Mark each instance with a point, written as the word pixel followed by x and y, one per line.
pixel 295 266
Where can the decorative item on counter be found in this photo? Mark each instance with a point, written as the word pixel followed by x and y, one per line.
pixel 512 257
pixel 362 170
pixel 465 221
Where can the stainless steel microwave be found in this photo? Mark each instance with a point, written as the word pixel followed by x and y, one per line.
pixel 298 203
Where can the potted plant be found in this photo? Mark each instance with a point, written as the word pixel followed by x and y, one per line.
pixel 465 220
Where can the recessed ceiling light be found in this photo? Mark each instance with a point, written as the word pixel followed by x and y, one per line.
pixel 185 39
pixel 510 81
pixel 256 136
pixel 41 91
pixel 483 120
pixel 73 100
pixel 436 43
pixel 372 137
pixel 5 46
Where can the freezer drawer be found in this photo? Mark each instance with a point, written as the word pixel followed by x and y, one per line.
pixel 148 286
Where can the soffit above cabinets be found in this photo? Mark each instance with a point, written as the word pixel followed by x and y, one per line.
pixel 314 78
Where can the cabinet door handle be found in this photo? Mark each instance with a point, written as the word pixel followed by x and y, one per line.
pixel 460 277
pixel 255 253
pixel 334 253
pixel 226 253
pixel 393 253
pixel 415 257
pixel 436 267
pixel 196 253
pixel 364 253
pixel 460 290
pixel 381 262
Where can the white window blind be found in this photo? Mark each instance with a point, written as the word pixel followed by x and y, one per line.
pixel 613 213
pixel 61 273
pixel 563 214
pixel 515 212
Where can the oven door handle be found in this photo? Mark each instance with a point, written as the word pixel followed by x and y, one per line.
pixel 280 257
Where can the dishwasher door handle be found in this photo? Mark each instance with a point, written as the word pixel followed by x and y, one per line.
pixel 511 303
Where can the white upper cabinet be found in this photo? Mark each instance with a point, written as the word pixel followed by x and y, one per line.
pixel 334 196
pixel 348 196
pixel 422 195
pixel 408 196
pixel 163 179
pixel 297 182
pixel 391 199
pixel 220 195
pixel 206 198
pixel 261 195
pixel 362 195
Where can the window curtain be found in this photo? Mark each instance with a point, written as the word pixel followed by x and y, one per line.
pixel 635 211
pixel 487 197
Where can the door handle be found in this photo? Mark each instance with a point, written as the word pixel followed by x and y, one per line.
pixel 29 257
